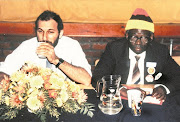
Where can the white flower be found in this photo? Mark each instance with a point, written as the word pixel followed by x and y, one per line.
pixel 36 82
pixel 7 100
pixel 34 103
pixel 64 95
pixel 59 101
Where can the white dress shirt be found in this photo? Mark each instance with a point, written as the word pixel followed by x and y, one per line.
pixel 67 49
pixel 140 65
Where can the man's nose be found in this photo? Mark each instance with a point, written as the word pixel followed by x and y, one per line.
pixel 45 37
pixel 138 41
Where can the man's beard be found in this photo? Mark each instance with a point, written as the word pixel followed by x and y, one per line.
pixel 56 42
pixel 53 44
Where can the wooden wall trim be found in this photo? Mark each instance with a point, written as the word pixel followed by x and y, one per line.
pixel 17 28
pixel 88 30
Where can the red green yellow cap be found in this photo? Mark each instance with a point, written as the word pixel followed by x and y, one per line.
pixel 140 20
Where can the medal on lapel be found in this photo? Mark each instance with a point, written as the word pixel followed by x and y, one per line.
pixel 158 76
pixel 150 70
pixel 149 78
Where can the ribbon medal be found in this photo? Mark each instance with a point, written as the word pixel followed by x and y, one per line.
pixel 158 76
pixel 151 70
pixel 151 67
pixel 149 78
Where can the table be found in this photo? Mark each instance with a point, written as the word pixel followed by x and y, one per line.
pixel 168 112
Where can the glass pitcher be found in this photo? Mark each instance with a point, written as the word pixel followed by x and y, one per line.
pixel 110 100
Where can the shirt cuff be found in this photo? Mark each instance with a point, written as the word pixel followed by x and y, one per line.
pixel 122 87
pixel 167 90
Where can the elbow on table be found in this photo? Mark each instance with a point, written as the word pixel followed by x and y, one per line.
pixel 86 85
pixel 87 81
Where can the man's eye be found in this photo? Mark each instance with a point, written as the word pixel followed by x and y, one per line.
pixel 134 37
pixel 51 32
pixel 39 31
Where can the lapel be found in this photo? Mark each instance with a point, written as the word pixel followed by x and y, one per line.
pixel 123 63
pixel 126 69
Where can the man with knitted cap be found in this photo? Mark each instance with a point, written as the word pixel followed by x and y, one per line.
pixel 139 59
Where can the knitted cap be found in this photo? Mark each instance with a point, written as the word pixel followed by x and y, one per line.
pixel 140 20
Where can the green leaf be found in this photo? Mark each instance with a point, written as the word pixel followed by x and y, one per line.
pixel 91 109
pixel 85 110
pixel 90 113
pixel 82 109
pixel 90 106
pixel 43 117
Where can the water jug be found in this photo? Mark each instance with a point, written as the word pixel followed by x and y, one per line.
pixel 110 100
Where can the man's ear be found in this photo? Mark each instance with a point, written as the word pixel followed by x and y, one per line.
pixel 61 33
pixel 152 36
pixel 126 35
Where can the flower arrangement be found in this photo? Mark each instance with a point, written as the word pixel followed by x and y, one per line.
pixel 41 91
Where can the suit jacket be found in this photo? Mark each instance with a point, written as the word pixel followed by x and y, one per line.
pixel 115 60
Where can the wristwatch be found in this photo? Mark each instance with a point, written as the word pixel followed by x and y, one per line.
pixel 60 62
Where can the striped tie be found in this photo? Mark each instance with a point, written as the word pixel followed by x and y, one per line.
pixel 136 72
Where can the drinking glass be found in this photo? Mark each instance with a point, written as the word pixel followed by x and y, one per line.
pixel 135 100
pixel 40 56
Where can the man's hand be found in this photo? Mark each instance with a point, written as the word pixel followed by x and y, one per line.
pixel 47 50
pixel 123 92
pixel 3 76
pixel 4 81
pixel 159 92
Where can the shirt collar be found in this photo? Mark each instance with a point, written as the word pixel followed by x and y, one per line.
pixel 132 54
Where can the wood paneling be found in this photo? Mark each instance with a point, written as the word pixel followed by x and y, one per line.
pixel 89 30
pixel 17 28
pixel 177 59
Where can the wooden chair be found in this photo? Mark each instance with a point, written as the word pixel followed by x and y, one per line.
pixel 96 62
pixel 177 59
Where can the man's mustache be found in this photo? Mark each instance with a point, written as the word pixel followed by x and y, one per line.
pixel 47 42
pixel 138 46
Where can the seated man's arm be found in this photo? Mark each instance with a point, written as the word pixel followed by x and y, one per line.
pixel 3 76
pixel 78 74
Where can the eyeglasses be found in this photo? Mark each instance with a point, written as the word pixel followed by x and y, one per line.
pixel 142 38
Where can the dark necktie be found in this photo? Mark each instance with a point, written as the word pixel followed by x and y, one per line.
pixel 136 72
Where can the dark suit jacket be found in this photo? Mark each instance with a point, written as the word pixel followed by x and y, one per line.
pixel 115 60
